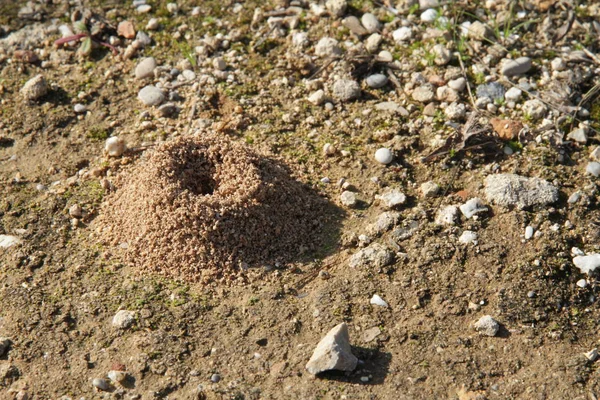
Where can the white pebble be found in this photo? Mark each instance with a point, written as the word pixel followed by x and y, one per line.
pixel 115 146
pixel 79 108
pixel 468 237
pixel 528 232
pixel 384 156
pixel 378 301
pixel 123 319
pixel 429 15
pixel 581 283
pixel 593 168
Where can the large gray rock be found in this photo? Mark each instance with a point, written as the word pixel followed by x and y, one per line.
pixel 516 67
pixel 333 352
pixel 520 191
pixel 375 255
pixel 145 68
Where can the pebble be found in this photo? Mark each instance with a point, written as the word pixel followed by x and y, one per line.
pixel 442 54
pixel 513 94
pixel 300 39
pixel 144 8
pixel 578 135
pixel 215 378
pixel 115 146
pixel 477 30
pixel 447 215
pixel 582 283
pixel 143 39
pixel 352 23
pixel 219 64
pixel 429 189
pixel 327 47
pixel 558 64
pixel 337 8
pixel 329 149
pixel 423 94
pixel 487 326
pixel 152 24
pixel 472 207
pixel 425 4
pixel 79 108
pixel 126 29
pixel 385 56
pixel 377 81
pixel 123 319
pixel 591 355
pixel 520 191
pixel 595 154
pixel 151 95
pixel 516 67
pixel 457 84
pixel 587 264
pixel 593 168
pixel 468 237
pixel 574 198
pixel 188 74
pixel 346 89
pixel 392 107
pixel 35 88
pixel 384 156
pixel 101 384
pixel 348 198
pixel 378 301
pixel 370 22
pixel 535 109
pixel 76 211
pixel 7 241
pixel 167 110
pixel 429 15
pixel 145 68
pixel 375 256
pixel 392 198
pixel 528 232
pixel 317 98
pixel 333 352
pixel 373 42
pixel 402 34
pixel 117 376
pixel 456 111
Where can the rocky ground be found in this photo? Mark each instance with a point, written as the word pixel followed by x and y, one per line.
pixel 454 142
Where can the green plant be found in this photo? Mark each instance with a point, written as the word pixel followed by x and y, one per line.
pixel 187 52
pixel 85 49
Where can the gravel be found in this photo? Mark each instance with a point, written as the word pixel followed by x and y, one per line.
pixel 35 88
pixel 115 146
pixel 333 352
pixel 370 22
pixel 384 156
pixel 348 198
pixel 391 198
pixel 376 256
pixel 593 168
pixel 447 215
pixel 377 81
pixel 327 47
pixel 123 319
pixel 587 264
pixel 423 94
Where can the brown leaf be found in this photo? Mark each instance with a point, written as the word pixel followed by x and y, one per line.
pixel 506 129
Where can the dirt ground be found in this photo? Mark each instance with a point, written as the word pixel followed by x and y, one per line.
pixel 60 286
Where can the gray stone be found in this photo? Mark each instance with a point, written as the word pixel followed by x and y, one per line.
pixel 35 88
pixel 370 22
pixel 423 94
pixel 442 54
pixel 430 189
pixel 353 23
pixel 377 81
pixel 151 95
pixel 458 84
pixel 402 34
pixel 516 67
pixel 593 168
pixel 479 31
pixel 385 222
pixel 376 256
pixel 472 207
pixel 333 352
pixel 578 135
pixel 373 42
pixel 123 319
pixel 456 111
pixel 79 108
pixel 513 94
pixel 346 89
pixel 167 110
pixel 487 326
pixel 520 191
pixel 143 39
pixel 145 68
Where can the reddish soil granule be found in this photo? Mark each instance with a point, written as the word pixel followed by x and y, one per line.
pixel 203 208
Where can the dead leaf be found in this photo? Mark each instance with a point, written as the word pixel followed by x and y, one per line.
pixel 506 129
